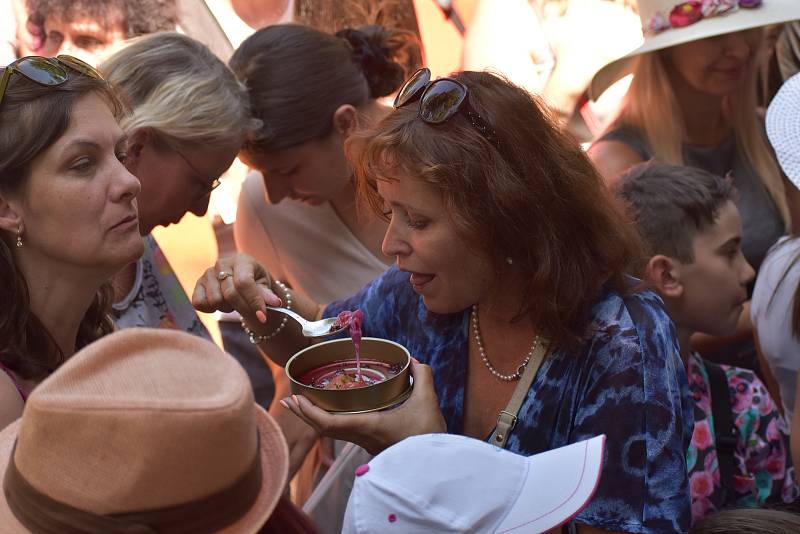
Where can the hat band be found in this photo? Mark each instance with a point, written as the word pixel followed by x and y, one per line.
pixel 687 13
pixel 42 514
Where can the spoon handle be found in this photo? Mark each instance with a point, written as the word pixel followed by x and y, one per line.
pixel 297 317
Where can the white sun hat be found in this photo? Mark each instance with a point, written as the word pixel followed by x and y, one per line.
pixel 783 128
pixel 667 23
pixel 446 483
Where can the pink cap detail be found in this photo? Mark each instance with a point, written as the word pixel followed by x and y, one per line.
pixel 362 470
pixel 392 518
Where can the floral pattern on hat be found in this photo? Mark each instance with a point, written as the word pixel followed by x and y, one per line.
pixel 685 14
pixel 688 13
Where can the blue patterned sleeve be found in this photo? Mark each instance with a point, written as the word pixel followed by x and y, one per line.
pixel 635 391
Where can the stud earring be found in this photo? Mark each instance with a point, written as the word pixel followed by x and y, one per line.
pixel 510 261
pixel 19 237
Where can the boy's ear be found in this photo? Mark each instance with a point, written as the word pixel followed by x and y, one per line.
pixel 345 120
pixel 663 274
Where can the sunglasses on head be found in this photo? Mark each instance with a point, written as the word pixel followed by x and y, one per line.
pixel 440 99
pixel 47 71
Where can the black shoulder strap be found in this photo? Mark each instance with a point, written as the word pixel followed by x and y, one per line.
pixel 724 429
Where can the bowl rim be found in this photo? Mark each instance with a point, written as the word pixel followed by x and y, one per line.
pixel 332 341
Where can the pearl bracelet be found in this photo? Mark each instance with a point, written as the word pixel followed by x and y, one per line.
pixel 255 339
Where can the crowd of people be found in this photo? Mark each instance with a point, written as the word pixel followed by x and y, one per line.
pixel 602 339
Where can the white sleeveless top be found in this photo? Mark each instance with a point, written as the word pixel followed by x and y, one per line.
pixel 309 247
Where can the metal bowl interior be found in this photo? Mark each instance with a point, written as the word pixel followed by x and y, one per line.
pixel 370 398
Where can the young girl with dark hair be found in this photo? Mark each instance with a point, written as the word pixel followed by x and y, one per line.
pixel 313 90
pixel 506 240
pixel 297 213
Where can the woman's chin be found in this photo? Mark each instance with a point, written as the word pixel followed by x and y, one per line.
pixel 441 306
pixel 128 252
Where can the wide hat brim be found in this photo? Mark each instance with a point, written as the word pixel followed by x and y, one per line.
pixel 770 12
pixel 783 128
pixel 274 467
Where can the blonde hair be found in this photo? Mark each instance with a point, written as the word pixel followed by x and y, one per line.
pixel 651 107
pixel 177 87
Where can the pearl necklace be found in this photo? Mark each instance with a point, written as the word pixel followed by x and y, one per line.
pixel 506 378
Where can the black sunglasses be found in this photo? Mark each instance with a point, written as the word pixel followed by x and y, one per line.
pixel 440 99
pixel 47 71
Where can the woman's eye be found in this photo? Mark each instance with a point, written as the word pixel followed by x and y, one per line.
pixel 82 165
pixel 417 224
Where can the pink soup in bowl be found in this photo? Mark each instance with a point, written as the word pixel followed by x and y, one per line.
pixel 329 375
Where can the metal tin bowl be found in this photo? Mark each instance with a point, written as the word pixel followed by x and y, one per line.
pixel 357 400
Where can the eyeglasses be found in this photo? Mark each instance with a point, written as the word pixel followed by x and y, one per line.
pixel 208 187
pixel 47 71
pixel 440 99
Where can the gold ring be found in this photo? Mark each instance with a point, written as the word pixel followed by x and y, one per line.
pixel 223 275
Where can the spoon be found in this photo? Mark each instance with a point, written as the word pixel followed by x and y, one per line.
pixel 321 328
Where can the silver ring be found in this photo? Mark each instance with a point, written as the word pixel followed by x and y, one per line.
pixel 223 275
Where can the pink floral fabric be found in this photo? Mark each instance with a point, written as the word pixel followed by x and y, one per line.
pixel 763 466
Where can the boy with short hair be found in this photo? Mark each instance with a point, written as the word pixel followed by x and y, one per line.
pixel 692 231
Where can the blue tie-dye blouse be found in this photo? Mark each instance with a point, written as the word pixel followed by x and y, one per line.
pixel 627 381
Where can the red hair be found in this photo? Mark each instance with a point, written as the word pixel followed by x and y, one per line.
pixel 541 201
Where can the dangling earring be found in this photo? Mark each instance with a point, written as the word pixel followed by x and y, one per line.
pixel 19 237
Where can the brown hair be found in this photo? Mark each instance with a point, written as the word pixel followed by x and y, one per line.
pixel 759 520
pixel 298 76
pixel 541 202
pixel 32 118
pixel 672 204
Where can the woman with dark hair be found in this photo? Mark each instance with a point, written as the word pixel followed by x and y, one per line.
pixel 506 240
pixel 68 217
pixel 312 90
pixel 297 213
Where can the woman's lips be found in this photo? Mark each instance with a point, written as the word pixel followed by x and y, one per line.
pixel 731 72
pixel 419 280
pixel 126 223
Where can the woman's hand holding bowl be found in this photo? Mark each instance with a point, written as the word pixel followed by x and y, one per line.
pixel 376 431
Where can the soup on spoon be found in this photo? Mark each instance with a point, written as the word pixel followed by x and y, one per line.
pixel 350 374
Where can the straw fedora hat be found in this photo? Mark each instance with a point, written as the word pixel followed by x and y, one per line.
pixel 143 431
pixel 667 23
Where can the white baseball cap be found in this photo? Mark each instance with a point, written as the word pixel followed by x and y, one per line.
pixel 783 128
pixel 449 483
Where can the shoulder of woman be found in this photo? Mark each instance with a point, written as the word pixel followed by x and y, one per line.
pixel 636 319
pixel 11 403
pixel 613 158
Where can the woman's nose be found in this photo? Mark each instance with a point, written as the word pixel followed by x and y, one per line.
pixel 126 185
pixel 277 188
pixel 394 243
pixel 738 45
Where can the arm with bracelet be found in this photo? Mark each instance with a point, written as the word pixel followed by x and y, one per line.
pixel 239 283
